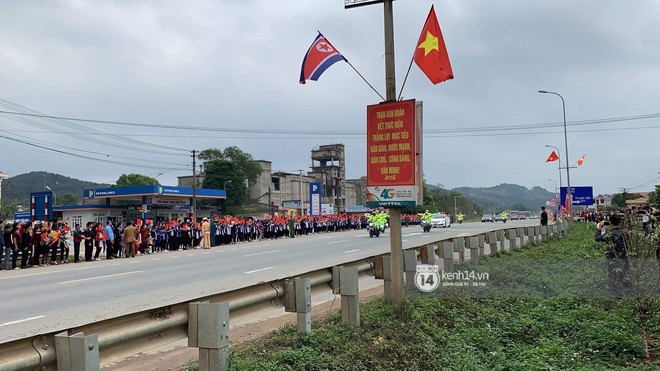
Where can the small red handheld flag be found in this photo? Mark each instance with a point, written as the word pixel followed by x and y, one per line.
pixel 431 54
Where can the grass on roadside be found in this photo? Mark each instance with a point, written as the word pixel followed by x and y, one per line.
pixel 496 333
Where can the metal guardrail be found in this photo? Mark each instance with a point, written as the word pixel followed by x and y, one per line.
pixel 134 333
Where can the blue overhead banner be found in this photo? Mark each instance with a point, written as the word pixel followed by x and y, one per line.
pixel 582 196
pixel 315 193
pixel 153 190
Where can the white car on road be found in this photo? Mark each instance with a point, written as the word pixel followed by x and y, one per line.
pixel 440 220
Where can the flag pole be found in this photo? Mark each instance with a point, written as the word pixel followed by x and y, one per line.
pixel 406 78
pixel 353 67
pixel 365 80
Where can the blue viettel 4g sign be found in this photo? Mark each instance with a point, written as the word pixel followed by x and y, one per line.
pixel 582 196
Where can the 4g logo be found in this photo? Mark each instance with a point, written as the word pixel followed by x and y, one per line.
pixel 388 193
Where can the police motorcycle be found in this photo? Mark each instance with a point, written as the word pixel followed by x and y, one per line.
pixel 374 230
pixel 426 225
pixel 372 225
pixel 426 221
pixel 459 218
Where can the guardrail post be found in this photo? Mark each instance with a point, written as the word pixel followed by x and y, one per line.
pixel 410 267
pixel 544 232
pixel 520 232
pixel 482 244
pixel 531 236
pixel 501 237
pixel 473 245
pixel 447 250
pixel 491 238
pixel 383 269
pixel 459 247
pixel 350 295
pixel 208 330
pixel 512 239
pixel 554 230
pixel 427 254
pixel 298 298
pixel 537 233
pixel 77 352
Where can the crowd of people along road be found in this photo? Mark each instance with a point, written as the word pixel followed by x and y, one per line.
pixel 40 244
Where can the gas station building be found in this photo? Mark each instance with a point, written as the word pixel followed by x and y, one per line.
pixel 124 204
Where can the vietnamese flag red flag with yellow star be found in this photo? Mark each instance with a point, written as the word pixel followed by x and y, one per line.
pixel 553 157
pixel 431 54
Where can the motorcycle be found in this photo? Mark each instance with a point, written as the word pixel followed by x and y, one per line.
pixel 460 220
pixel 373 230
pixel 426 226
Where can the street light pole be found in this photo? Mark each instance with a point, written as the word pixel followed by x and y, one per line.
pixel 3 176
pixel 559 164
pixel 568 174
pixel 224 188
pixel 54 195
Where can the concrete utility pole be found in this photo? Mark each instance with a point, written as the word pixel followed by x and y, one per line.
pixel 396 244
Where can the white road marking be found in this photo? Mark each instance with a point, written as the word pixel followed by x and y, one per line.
pixel 340 241
pixel 99 277
pixel 404 240
pixel 350 251
pixel 157 259
pixel 412 234
pixel 261 253
pixel 258 270
pixel 174 257
pixel 426 236
pixel 20 320
pixel 59 271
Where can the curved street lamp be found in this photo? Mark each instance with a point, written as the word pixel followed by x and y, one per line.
pixel 224 187
pixel 54 195
pixel 568 174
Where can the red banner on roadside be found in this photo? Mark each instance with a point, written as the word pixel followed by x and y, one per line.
pixel 391 144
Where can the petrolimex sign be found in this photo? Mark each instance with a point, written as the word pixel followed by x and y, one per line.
pixel 392 154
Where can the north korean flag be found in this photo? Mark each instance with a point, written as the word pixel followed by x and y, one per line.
pixel 320 56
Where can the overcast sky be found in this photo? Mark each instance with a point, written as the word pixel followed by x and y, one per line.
pixel 235 64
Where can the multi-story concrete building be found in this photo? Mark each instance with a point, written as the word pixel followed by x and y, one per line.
pixel 289 191
pixel 329 168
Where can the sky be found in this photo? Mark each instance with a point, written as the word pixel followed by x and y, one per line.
pixel 160 79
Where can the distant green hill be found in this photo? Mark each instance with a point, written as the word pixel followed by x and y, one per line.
pixel 507 196
pixel 17 189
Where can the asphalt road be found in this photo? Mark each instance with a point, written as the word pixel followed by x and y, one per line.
pixel 54 298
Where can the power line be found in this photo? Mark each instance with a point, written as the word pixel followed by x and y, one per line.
pixel 360 136
pixel 461 129
pixel 75 154
pixel 25 111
